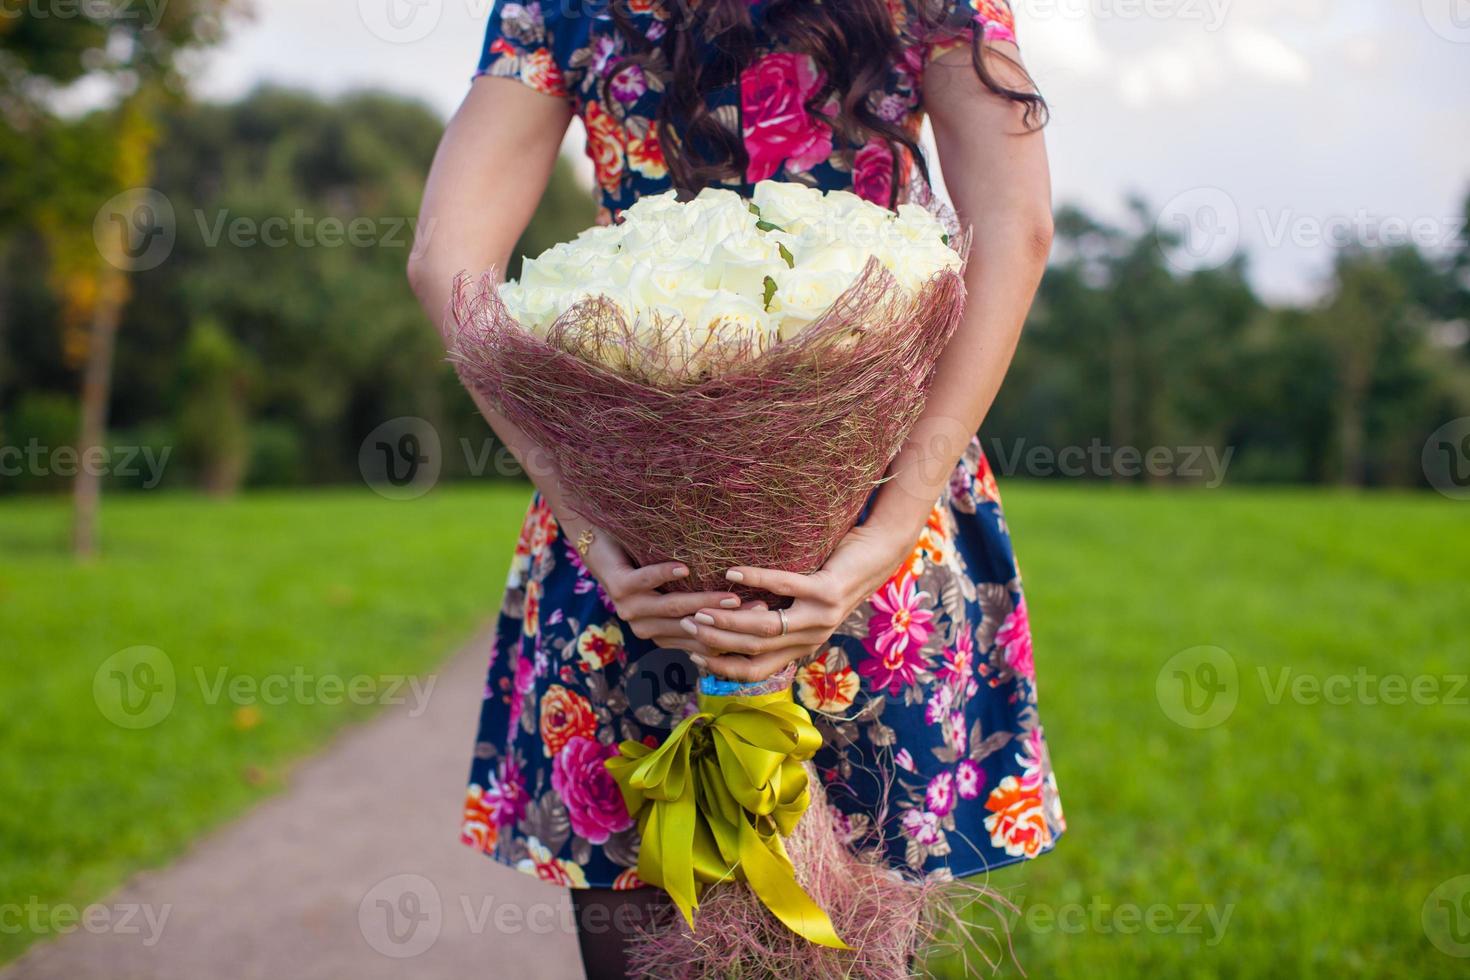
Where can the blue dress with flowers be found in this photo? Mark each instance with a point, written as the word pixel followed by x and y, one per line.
pixel 926 697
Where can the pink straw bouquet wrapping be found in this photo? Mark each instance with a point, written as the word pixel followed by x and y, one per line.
pixel 737 448
pixel 762 460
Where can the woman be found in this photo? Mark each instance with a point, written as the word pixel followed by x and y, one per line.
pixel 913 640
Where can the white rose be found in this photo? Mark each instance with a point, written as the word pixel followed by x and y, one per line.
pixel 873 230
pixel 721 320
pixel 916 224
pixel 914 264
pixel 599 237
pixel 720 225
pixel 534 307
pixel 843 204
pixel 740 264
pixel 652 208
pixel 835 257
pixel 653 284
pixel 733 317
pixel 822 274
pixel 655 228
pixel 788 205
pixel 656 241
pixel 564 264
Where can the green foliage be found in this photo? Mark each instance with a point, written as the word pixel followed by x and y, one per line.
pixel 146 457
pixel 1124 350
pixel 277 457
pixel 38 436
pixel 130 49
pixel 215 374
pixel 296 217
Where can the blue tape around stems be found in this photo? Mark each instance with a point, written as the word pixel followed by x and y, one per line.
pixel 719 687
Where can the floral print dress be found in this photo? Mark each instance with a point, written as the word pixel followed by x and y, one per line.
pixel 926 697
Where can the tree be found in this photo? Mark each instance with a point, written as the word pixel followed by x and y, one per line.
pixel 215 378
pixel 136 51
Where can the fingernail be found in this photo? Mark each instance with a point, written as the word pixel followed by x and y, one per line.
pixel 698 660
pixel 689 627
pixel 680 572
pixel 735 576
pixel 730 602
pixel 705 618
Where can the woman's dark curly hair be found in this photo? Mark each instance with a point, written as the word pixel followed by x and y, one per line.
pixel 853 43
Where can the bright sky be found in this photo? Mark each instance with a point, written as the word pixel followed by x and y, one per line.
pixel 1280 125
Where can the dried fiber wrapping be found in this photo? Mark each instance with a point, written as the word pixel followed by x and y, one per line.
pixel 760 458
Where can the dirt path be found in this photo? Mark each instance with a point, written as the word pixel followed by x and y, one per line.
pixel 354 873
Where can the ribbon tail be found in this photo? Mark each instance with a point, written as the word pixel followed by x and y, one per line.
pixel 666 857
pixel 771 878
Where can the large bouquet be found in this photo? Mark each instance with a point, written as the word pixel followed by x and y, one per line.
pixel 724 382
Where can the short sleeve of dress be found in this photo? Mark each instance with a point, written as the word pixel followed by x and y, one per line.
pixel 531 42
pixel 958 20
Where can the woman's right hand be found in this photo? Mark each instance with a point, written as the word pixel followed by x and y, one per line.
pixel 650 614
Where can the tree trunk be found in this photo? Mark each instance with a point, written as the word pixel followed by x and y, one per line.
pixel 1350 441
pixel 96 393
pixel 5 368
pixel 1122 402
pixel 1355 383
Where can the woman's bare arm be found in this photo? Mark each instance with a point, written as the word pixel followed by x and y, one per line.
pixel 996 173
pixel 491 169
pixel 489 173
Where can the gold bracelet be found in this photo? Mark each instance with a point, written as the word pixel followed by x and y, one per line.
pixel 584 541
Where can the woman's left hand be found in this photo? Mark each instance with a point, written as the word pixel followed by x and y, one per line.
pixel 751 640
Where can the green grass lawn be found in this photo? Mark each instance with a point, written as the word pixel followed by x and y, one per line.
pixel 1319 829
pixel 307 588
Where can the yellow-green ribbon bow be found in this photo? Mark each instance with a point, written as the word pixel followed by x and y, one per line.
pixel 715 799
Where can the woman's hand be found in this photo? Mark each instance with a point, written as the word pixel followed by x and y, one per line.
pixel 750 639
pixel 650 614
